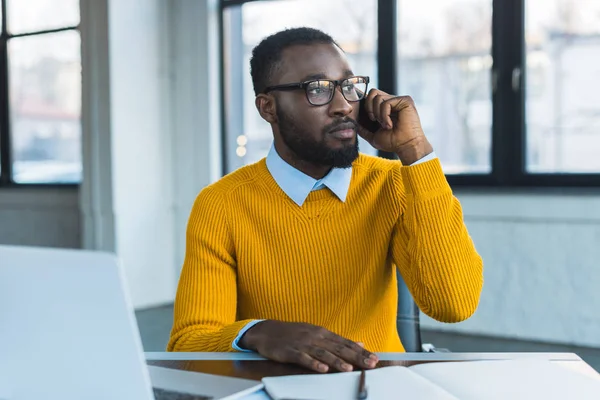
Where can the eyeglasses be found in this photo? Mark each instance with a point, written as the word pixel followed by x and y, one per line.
pixel 320 91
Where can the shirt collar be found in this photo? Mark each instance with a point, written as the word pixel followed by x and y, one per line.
pixel 297 185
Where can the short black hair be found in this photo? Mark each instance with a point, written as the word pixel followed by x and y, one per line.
pixel 266 56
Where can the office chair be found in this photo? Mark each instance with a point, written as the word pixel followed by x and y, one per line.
pixel 407 321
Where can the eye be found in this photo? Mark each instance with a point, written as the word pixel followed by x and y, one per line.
pixel 318 88
pixel 348 88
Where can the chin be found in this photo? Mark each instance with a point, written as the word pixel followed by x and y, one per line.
pixel 343 156
pixel 336 144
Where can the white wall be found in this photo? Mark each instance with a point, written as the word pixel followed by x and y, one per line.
pixel 40 217
pixel 194 96
pixel 126 195
pixel 141 148
pixel 541 255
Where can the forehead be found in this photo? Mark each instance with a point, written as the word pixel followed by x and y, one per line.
pixel 301 61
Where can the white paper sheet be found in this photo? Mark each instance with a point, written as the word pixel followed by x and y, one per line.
pixel 382 383
pixel 510 379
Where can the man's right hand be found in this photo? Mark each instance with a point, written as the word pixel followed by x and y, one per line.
pixel 308 345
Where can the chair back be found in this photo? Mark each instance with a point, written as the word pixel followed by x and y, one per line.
pixel 407 321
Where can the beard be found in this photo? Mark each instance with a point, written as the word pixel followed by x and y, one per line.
pixel 316 151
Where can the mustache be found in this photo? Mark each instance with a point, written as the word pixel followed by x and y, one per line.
pixel 342 124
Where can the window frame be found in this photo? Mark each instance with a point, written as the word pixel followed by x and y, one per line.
pixel 6 179
pixel 508 77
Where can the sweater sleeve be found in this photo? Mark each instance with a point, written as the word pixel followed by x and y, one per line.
pixel 206 299
pixel 431 245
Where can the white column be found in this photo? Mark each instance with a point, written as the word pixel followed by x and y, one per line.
pixel 196 107
pixel 126 195
pixel 96 187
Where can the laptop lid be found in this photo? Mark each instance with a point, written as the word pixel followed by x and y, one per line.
pixel 67 327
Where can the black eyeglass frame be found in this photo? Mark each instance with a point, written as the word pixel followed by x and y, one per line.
pixel 305 84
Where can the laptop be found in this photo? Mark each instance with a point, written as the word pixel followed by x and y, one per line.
pixel 68 331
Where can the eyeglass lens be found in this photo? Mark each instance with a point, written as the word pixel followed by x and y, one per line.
pixel 321 92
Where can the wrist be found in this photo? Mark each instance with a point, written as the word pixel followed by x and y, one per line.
pixel 248 340
pixel 414 150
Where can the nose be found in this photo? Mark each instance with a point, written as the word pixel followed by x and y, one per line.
pixel 339 106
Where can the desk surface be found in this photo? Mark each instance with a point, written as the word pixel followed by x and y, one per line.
pixel 252 366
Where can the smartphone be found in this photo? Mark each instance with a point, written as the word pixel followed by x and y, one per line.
pixel 364 120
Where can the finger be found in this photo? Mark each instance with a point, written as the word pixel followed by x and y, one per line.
pixel 377 101
pixel 361 344
pixel 386 112
pixel 369 103
pixel 399 103
pixel 346 353
pixel 322 354
pixel 359 356
pixel 354 354
pixel 295 356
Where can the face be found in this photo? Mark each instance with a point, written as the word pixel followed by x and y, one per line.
pixel 321 135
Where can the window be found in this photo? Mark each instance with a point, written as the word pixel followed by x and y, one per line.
pixel 507 90
pixel 351 23
pixel 563 102
pixel 444 63
pixel 40 87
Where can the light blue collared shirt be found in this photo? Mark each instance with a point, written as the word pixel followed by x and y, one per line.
pixel 297 185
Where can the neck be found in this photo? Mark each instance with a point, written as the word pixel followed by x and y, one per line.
pixel 312 170
pixel 315 171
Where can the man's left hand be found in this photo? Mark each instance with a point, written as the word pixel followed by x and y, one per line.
pixel 400 131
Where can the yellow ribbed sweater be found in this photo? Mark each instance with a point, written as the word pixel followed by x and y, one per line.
pixel 252 253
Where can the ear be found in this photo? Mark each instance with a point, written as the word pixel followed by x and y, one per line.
pixel 265 104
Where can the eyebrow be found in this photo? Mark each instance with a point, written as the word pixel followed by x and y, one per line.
pixel 323 76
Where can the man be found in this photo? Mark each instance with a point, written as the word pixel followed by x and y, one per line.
pixel 294 257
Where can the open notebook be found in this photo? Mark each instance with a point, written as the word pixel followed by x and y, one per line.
pixel 466 380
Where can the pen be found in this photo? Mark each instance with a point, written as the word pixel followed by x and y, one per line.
pixel 362 388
